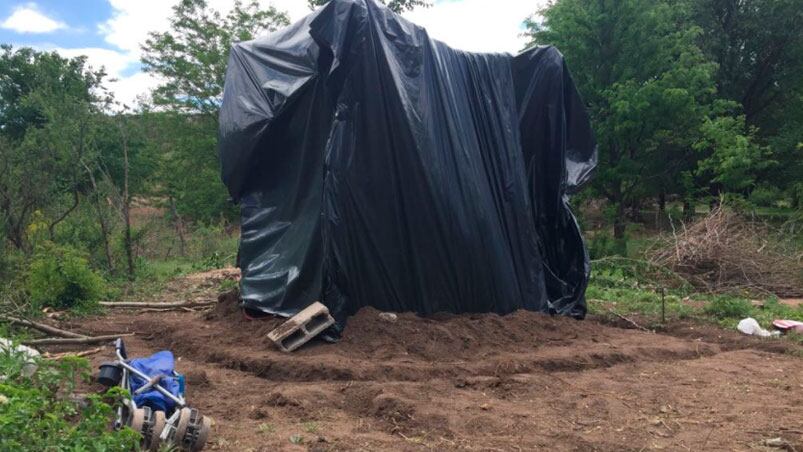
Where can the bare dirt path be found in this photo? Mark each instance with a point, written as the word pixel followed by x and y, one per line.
pixel 477 382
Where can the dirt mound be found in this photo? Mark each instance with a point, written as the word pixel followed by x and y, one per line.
pixel 475 381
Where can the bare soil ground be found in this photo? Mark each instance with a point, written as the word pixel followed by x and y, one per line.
pixel 525 381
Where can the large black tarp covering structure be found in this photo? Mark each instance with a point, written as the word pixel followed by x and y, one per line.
pixel 375 166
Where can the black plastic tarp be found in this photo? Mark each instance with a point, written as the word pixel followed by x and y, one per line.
pixel 378 167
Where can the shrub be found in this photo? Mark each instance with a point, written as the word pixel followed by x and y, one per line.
pixel 60 277
pixel 603 244
pixel 41 412
pixel 765 196
pixel 726 307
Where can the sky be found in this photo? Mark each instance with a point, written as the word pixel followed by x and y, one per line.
pixel 109 32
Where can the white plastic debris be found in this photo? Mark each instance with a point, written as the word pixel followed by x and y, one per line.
pixel 751 327
pixel 388 316
pixel 30 354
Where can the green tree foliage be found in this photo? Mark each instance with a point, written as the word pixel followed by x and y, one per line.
pixel 647 84
pixel 60 277
pixel 656 95
pixel 733 156
pixel 48 111
pixel 758 47
pixel 191 57
pixel 395 5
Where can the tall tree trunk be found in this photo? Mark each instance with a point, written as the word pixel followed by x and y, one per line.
pixel 619 221
pixel 688 209
pixel 179 223
pixel 51 228
pixel 129 246
pixel 104 225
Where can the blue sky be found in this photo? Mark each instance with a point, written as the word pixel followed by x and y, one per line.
pixel 109 32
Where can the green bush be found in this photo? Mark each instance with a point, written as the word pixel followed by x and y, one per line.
pixel 60 277
pixel 42 412
pixel 603 244
pixel 765 196
pixel 726 307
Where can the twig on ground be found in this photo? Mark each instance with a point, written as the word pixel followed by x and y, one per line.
pixel 76 354
pixel 157 305
pixel 42 327
pixel 75 340
pixel 630 321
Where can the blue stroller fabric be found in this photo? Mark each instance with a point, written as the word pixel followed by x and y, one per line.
pixel 160 363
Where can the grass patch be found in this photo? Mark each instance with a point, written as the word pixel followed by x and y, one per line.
pixel 41 412
pixel 632 287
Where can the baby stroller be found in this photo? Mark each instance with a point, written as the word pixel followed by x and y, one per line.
pixel 157 408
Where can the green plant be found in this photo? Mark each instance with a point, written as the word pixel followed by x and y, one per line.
pixel 266 428
pixel 43 413
pixel 728 307
pixel 60 276
pixel 310 426
pixel 296 439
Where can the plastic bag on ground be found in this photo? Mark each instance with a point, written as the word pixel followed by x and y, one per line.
pixel 751 327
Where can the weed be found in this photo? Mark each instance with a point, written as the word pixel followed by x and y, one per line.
pixel 40 413
pixel 60 277
pixel 266 428
pixel 727 307
pixel 227 285
pixel 296 439
pixel 310 427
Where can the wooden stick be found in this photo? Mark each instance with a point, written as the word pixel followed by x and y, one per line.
pixel 629 321
pixel 157 305
pixel 75 340
pixel 42 327
pixel 64 355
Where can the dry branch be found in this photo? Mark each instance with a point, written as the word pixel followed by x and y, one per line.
pixel 725 252
pixel 630 321
pixel 157 305
pixel 42 327
pixel 73 354
pixel 75 340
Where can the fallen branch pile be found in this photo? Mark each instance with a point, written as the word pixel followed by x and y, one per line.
pixel 725 252
pixel 63 337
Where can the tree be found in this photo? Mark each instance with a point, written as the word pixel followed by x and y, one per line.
pixel 395 5
pixel 48 111
pixel 191 57
pixel 758 47
pixel 647 85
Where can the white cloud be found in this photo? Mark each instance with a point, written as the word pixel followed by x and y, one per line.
pixel 473 25
pixel 128 28
pixel 28 18
pixel 477 25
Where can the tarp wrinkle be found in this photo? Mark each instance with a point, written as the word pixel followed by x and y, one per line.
pixel 377 167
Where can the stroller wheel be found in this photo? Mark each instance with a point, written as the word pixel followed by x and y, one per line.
pixel 156 429
pixel 136 419
pixel 181 427
pixel 192 430
pixel 203 433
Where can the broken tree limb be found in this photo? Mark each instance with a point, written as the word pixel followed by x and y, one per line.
pixel 42 327
pixel 630 321
pixel 73 354
pixel 75 340
pixel 157 305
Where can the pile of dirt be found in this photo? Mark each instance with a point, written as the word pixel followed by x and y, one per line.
pixel 443 336
pixel 473 381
